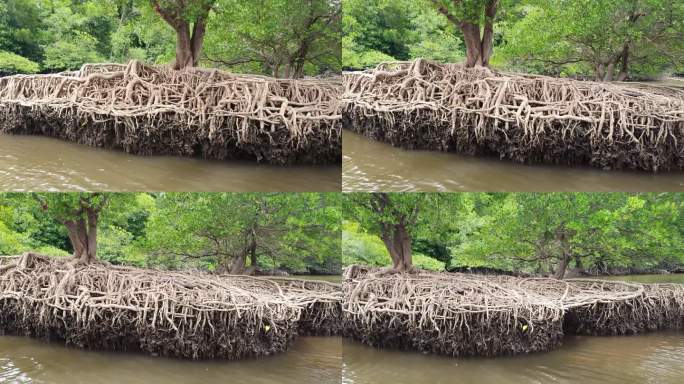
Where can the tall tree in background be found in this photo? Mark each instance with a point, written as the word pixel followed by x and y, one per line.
pixel 280 36
pixel 80 213
pixel 293 230
pixel 399 218
pixel 475 19
pixel 188 18
pixel 613 38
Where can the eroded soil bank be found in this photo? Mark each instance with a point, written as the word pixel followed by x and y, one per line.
pixel 154 110
pixel 459 314
pixel 524 118
pixel 162 313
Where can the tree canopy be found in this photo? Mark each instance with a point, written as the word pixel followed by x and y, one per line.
pixel 545 233
pixel 225 232
pixel 285 38
pixel 606 40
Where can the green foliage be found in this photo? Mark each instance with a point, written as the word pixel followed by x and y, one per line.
pixel 376 31
pixel 560 38
pixel 295 232
pixel 268 36
pixel 299 233
pixel 526 231
pixel 574 37
pixel 71 54
pixel 260 36
pixel 427 262
pixel 362 248
pixel 11 64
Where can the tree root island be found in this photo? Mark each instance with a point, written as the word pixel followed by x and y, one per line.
pixel 524 118
pixel 155 110
pixel 460 314
pixel 163 313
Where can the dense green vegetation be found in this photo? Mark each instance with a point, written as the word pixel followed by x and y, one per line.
pixel 545 233
pixel 605 40
pixel 285 38
pixel 226 232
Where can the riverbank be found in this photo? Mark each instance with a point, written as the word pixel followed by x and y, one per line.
pixel 154 110
pixel 477 315
pixel 524 118
pixel 175 314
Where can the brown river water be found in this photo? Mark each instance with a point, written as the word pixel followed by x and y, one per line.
pixel 33 163
pixel 370 165
pixel 312 360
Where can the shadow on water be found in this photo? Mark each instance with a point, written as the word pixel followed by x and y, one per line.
pixel 370 165
pixel 312 360
pixel 33 163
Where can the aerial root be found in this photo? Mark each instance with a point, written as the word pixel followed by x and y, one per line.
pixel 525 118
pixel 156 110
pixel 474 315
pixel 179 314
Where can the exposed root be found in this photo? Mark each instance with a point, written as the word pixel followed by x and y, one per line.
pixel 157 110
pixel 660 307
pixel 321 304
pixel 474 315
pixel 426 105
pixel 448 314
pixel 190 315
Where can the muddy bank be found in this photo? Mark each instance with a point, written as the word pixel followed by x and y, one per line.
pixel 153 110
pixel 460 314
pixel 524 118
pixel 176 314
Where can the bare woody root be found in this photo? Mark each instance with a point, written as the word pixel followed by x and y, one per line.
pixel 475 315
pixel 525 118
pixel 157 110
pixel 190 315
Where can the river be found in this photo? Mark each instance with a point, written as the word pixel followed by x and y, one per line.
pixel 370 165
pixel 34 163
pixel 312 360
pixel 649 358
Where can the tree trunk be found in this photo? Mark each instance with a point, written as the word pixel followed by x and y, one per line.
pixel 599 71
pixel 565 256
pixel 83 236
pixel 471 37
pixel 237 266
pixel 188 45
pixel 479 48
pixel 610 71
pixel 624 63
pixel 398 243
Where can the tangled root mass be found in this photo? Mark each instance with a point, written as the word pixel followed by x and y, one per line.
pixel 525 118
pixel 189 315
pixel 155 110
pixel 474 315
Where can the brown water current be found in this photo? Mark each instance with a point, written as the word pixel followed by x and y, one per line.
pixel 312 360
pixel 369 165
pixel 650 358
pixel 32 163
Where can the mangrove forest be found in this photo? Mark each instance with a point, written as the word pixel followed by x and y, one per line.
pixel 205 78
pixel 489 274
pixel 187 275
